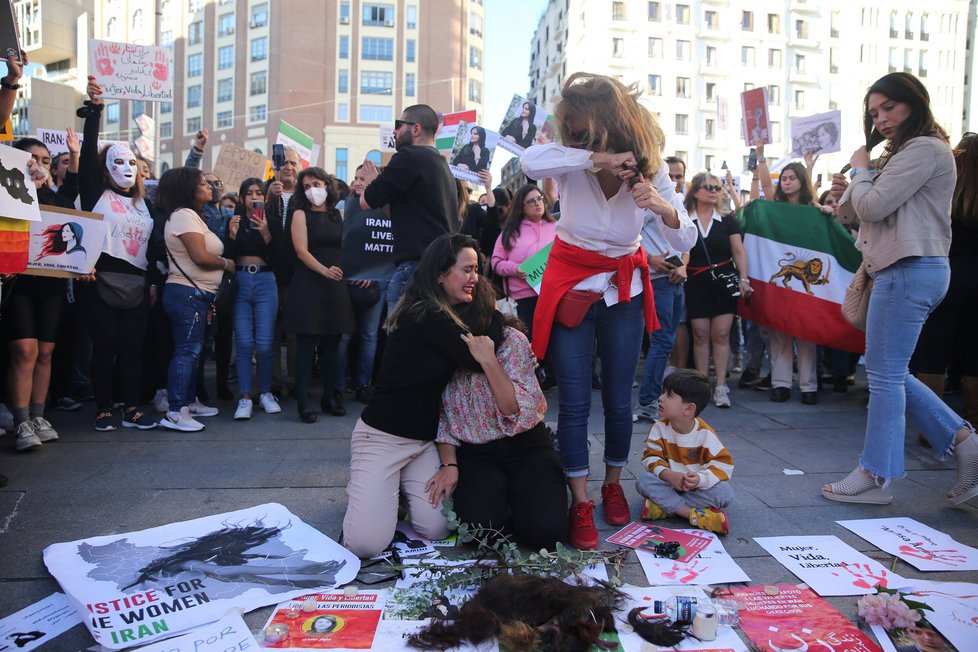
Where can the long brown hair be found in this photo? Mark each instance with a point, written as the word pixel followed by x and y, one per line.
pixel 964 203
pixel 615 120
pixel 806 194
pixel 903 87
pixel 511 227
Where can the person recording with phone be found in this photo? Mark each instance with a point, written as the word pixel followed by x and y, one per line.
pixel 250 242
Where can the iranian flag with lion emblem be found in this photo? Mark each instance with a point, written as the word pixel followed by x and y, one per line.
pixel 800 262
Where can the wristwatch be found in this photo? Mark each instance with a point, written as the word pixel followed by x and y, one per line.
pixel 762 159
pixel 5 84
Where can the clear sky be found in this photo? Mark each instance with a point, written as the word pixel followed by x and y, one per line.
pixel 508 35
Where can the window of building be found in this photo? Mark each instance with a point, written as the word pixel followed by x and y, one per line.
pixel 344 47
pixel 410 80
pixel 225 25
pixel 711 55
pixel 894 21
pixel 374 82
pixel 711 91
pixel 195 65
pixel 710 127
pixel 801 29
pixel 800 63
pixel 655 84
pixel 342 162
pixel 374 156
pixel 225 57
pixel 137 20
pixel 834 59
pixel 193 6
pixel 259 49
pixel 195 33
pixel 112 113
pixel 747 56
pixel 166 130
pixel 683 86
pixel 225 90
pixel 747 21
pixel 345 12
pixel 410 50
pixel 475 57
pixel 799 99
pixel 834 22
pixel 166 38
pixel 748 86
pixel 924 59
pixel 475 24
pixel 259 15
pixel 775 131
pixel 655 47
pixel 224 120
pixel 712 20
pixel 774 58
pixel 709 161
pixel 924 27
pixel 258 83
pixel 774 94
pixel 193 125
pixel 907 60
pixel 377 49
pixel 342 111
pixel 411 17
pixel 475 91
pixel 343 81
pixel 773 23
pixel 112 28
pixel 680 154
pixel 166 107
pixel 655 11
pixel 684 50
pixel 682 124
pixel 618 48
pixel 138 107
pixel 682 14
pixel 376 113
pixel 908 25
pixel 618 10
pixel 258 113
pixel 194 95
pixel 375 15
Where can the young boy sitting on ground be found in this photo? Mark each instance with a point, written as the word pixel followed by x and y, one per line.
pixel 687 469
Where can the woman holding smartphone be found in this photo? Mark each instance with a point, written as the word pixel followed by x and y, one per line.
pixel 250 245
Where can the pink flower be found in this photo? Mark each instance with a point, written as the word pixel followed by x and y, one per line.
pixel 887 610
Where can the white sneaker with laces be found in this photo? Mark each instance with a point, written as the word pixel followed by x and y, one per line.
pixel 738 364
pixel 244 409
pixel 198 409
pixel 648 412
pixel 161 401
pixel 26 437
pixel 721 396
pixel 181 421
pixel 270 404
pixel 44 430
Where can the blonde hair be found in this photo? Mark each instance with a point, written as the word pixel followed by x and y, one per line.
pixel 614 119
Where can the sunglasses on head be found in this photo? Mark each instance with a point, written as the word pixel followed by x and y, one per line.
pixel 400 123
pixel 711 188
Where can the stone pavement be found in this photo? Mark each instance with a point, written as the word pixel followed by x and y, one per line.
pixel 92 483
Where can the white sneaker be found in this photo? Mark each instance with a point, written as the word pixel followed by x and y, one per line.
pixel 26 437
pixel 668 370
pixel 721 396
pixel 198 409
pixel 181 421
pixel 44 430
pixel 269 403
pixel 161 401
pixel 244 409
pixel 738 364
pixel 648 412
pixel 6 418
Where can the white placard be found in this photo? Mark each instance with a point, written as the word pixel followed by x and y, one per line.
pixel 829 566
pixel 55 140
pixel 38 624
pixel 712 566
pixel 18 194
pixel 228 633
pixel 919 545
pixel 955 609
pixel 727 638
pixel 127 71
pixel 819 134
pixel 387 140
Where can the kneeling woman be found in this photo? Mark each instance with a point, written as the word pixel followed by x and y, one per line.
pixel 492 439
pixel 392 448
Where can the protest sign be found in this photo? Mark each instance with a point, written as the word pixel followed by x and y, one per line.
pixel 65 242
pixel 145 147
pixel 56 140
pixel 128 71
pixel 726 640
pixel 448 127
pixel 9 34
pixel 368 244
pixel 18 194
pixel 830 566
pixel 328 621
pixel 520 125
pixel 792 618
pixel 534 267
pixel 38 624
pixel 955 609
pixel 472 151
pixel 755 111
pixel 711 566
pixel 235 164
pixel 905 639
pixel 921 546
pixel 140 587
pixel 295 139
pixel 818 134
pixel 643 536
pixel 228 633
pixel 387 140
pixel 146 124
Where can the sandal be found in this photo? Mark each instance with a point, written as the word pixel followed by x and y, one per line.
pixel 860 486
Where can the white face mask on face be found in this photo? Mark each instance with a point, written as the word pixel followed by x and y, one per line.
pixel 122 173
pixel 316 196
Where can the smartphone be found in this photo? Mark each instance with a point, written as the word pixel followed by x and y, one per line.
pixel 278 155
pixel 818 179
pixel 752 160
pixel 257 210
pixel 675 261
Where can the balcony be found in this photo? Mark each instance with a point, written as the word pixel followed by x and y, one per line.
pixel 50 33
pixel 713 71
pixel 712 33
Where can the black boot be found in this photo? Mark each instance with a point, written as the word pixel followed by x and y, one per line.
pixel 333 404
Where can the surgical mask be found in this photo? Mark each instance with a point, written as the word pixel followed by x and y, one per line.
pixel 316 196
pixel 227 211
pixel 122 173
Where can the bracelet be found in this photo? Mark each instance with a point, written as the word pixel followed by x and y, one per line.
pixel 762 159
pixel 5 84
pixel 444 464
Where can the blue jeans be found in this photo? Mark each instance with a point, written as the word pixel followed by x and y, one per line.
pixel 187 309
pixel 668 308
pixel 619 338
pixel 368 325
pixel 255 309
pixel 903 295
pixel 399 282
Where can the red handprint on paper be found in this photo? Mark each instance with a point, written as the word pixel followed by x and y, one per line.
pixel 161 69
pixel 689 571
pixel 156 85
pixel 916 550
pixel 103 63
pixel 116 48
pixel 863 571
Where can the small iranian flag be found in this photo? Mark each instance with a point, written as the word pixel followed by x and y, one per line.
pixel 297 140
pixel 800 262
pixel 445 137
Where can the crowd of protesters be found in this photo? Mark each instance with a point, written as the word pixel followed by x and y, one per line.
pixel 453 393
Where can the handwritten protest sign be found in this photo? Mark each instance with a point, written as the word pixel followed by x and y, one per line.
pixel 127 71
pixel 534 267
pixel 229 633
pixel 920 546
pixel 39 623
pixel 65 243
pixel 235 164
pixel 56 140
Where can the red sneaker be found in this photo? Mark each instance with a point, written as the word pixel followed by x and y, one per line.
pixel 583 534
pixel 614 504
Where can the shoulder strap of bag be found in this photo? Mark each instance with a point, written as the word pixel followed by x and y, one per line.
pixel 180 269
pixel 706 252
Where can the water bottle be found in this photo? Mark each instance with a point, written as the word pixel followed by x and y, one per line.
pixel 728 613
pixel 682 609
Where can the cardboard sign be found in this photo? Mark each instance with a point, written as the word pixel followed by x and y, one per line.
pixel 65 243
pixel 146 124
pixel 18 194
pixel 127 71
pixel 145 146
pixel 955 609
pixel 235 164
pixel 7 131
pixel 756 125
pixel 819 134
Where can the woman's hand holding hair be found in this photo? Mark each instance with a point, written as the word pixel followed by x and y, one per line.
pixel 860 158
pixel 647 196
pixel 839 185
pixel 613 162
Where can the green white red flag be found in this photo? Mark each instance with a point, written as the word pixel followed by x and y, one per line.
pixel 800 261
pixel 445 137
pixel 302 143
